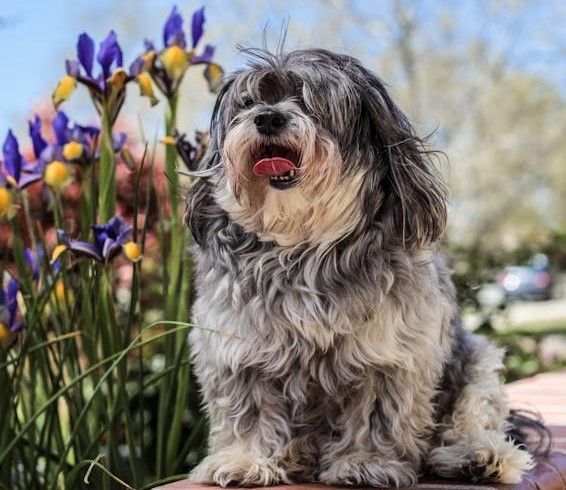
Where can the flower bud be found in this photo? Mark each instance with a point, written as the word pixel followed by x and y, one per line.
pixel 7 206
pixel 133 251
pixel 146 88
pixel 175 62
pixel 4 336
pixel 73 150
pixel 64 90
pixel 57 175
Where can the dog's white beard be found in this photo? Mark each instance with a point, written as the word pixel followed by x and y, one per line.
pixel 322 208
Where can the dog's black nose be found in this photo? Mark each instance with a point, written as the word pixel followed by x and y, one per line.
pixel 269 122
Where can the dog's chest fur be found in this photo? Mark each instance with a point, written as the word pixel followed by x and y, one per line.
pixel 331 316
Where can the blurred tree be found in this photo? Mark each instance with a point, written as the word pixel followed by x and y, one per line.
pixel 485 79
pixel 501 124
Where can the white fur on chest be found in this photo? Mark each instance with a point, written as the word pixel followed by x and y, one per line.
pixel 402 334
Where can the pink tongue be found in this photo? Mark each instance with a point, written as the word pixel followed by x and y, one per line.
pixel 273 166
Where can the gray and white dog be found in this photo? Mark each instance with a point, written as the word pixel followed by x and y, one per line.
pixel 317 216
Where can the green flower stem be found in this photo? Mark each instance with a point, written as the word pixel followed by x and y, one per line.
pixel 29 221
pixel 87 210
pixel 171 156
pixel 109 326
pixel 58 210
pixel 107 171
pixel 117 358
pixel 174 275
pixel 18 248
pixel 116 382
pixel 88 307
pixel 174 390
pixel 6 430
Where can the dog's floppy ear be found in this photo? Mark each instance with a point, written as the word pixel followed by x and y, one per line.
pixel 413 210
pixel 201 208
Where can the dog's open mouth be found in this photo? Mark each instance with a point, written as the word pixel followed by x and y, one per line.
pixel 278 163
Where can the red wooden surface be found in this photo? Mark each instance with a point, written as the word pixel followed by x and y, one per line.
pixel 545 393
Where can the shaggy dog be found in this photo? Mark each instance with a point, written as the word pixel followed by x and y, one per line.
pixel 317 217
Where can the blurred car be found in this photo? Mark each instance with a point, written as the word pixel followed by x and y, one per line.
pixel 526 282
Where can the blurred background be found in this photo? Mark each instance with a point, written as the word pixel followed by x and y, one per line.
pixel 486 80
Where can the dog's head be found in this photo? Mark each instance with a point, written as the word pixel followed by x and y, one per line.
pixel 308 148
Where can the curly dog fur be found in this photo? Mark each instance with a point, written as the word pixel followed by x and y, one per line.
pixel 317 216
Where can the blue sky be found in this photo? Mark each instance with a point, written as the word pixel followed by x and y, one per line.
pixel 37 36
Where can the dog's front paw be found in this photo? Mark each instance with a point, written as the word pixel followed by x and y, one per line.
pixel 366 469
pixel 493 460
pixel 238 467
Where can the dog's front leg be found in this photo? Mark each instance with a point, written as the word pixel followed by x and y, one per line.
pixel 248 426
pixel 380 434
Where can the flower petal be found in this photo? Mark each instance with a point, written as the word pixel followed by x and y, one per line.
pixel 214 75
pixel 38 142
pixel 175 62
pixel 137 67
pixel 60 126
pixel 146 88
pixel 133 251
pixel 7 207
pixel 32 262
pixel 109 53
pixel 85 52
pixel 90 132
pixel 63 237
pixel 26 179
pixel 205 57
pixel 168 140
pixel 57 251
pixel 64 90
pixel 16 325
pixel 73 68
pixel 121 229
pixel 11 298
pixel 115 230
pixel 118 79
pixel 12 157
pixel 73 150
pixel 173 30
pixel 119 140
pixel 197 26
pixel 85 249
pixel 58 175
pixel 110 249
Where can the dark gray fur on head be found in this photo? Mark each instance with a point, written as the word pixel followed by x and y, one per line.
pixel 346 360
pixel 352 105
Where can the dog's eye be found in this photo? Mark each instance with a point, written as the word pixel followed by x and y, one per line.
pixel 247 101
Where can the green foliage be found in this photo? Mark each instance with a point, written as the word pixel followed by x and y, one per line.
pixel 94 393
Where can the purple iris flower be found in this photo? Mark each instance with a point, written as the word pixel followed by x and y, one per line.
pixel 190 153
pixel 83 137
pixel 109 83
pixel 14 170
pixel 173 30
pixel 34 259
pixel 109 58
pixel 108 240
pixel 166 68
pixel 9 306
pixel 197 26
pixel 39 144
pixel 87 136
pixel 109 54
